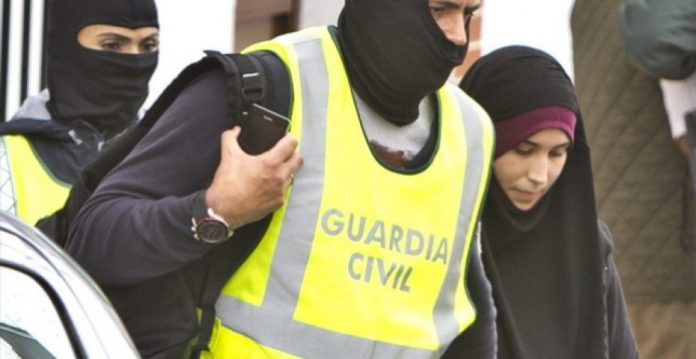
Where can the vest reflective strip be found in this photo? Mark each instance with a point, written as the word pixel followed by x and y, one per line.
pixel 36 193
pixel 7 196
pixel 308 341
pixel 479 140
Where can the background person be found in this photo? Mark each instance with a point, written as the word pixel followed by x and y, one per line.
pixel 642 181
pixel 661 39
pixel 555 287
pixel 101 55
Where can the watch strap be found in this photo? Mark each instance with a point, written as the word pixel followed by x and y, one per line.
pixel 202 213
pixel 200 208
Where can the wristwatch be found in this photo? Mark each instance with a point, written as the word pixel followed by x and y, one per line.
pixel 208 226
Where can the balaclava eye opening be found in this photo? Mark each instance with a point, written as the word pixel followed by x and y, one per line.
pixel 395 54
pixel 103 88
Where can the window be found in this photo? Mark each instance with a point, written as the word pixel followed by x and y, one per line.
pixel 30 326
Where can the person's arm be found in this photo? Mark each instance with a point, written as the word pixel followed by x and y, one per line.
pixel 620 339
pixel 480 339
pixel 660 36
pixel 679 97
pixel 137 224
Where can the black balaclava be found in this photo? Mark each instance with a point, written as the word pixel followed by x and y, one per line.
pixel 544 264
pixel 395 54
pixel 103 88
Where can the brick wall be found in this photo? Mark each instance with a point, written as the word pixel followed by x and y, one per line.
pixel 474 46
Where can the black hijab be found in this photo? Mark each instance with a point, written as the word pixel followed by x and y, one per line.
pixel 545 264
pixel 395 54
pixel 104 89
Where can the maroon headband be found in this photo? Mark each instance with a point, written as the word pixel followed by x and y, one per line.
pixel 512 132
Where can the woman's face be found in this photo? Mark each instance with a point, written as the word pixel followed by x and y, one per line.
pixel 526 172
pixel 119 39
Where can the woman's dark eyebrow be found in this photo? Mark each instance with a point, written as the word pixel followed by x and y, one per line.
pixel 530 142
pixel 534 144
pixel 562 145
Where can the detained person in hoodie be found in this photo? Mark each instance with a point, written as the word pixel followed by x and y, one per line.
pixel 101 55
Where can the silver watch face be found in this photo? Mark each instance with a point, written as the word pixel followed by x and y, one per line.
pixel 211 231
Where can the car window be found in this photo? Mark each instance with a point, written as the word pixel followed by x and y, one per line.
pixel 30 326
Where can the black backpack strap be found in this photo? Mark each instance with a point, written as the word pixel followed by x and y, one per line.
pixel 252 85
pixel 246 81
pixel 176 86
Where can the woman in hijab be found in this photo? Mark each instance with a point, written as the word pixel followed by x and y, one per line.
pixel 548 257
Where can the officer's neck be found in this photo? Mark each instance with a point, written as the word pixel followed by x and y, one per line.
pixel 396 145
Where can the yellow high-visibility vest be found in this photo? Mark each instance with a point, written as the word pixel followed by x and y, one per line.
pixel 29 189
pixel 362 260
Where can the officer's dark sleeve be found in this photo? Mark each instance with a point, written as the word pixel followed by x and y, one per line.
pixel 479 340
pixel 621 341
pixel 137 224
